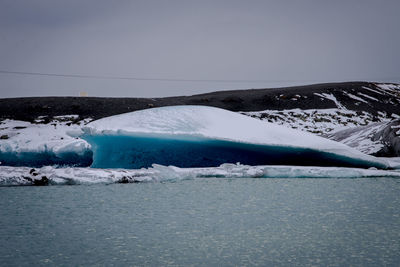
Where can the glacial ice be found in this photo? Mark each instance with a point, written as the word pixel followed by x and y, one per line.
pixel 35 144
pixel 13 176
pixel 200 136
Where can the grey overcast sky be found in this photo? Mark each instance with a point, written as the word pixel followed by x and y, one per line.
pixel 260 43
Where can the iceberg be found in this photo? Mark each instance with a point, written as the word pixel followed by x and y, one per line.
pixel 35 144
pixel 201 136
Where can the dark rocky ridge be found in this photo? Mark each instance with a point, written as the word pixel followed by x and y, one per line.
pixel 302 97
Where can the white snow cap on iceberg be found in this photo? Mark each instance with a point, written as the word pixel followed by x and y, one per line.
pixel 215 123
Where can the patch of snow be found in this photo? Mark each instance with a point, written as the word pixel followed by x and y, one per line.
pixel 372 90
pixel 66 117
pixel 368 96
pixel 382 113
pixel 356 97
pixel 396 116
pixel 331 97
pixel 388 86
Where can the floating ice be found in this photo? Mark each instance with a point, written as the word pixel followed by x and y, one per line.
pixel 12 176
pixel 200 136
pixel 34 144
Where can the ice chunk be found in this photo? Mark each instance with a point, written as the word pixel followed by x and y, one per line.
pixel 11 176
pixel 36 145
pixel 200 136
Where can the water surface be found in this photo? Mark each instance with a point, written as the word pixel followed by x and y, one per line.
pixel 204 222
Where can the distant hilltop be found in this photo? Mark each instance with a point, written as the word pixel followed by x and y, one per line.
pixel 374 98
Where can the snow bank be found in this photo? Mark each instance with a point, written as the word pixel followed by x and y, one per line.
pixel 200 136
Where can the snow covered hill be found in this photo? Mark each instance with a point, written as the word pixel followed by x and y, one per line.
pixel 370 131
pixel 379 139
pixel 373 98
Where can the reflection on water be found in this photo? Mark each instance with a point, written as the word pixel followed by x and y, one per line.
pixel 205 222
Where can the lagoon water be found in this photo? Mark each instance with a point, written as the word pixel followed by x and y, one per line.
pixel 204 222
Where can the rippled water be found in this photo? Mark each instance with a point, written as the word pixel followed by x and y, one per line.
pixel 279 222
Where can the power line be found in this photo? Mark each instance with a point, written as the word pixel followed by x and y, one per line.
pixel 81 76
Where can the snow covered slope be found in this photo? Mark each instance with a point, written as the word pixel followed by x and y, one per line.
pixel 360 113
pixel 198 136
pixel 321 121
pixel 381 138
